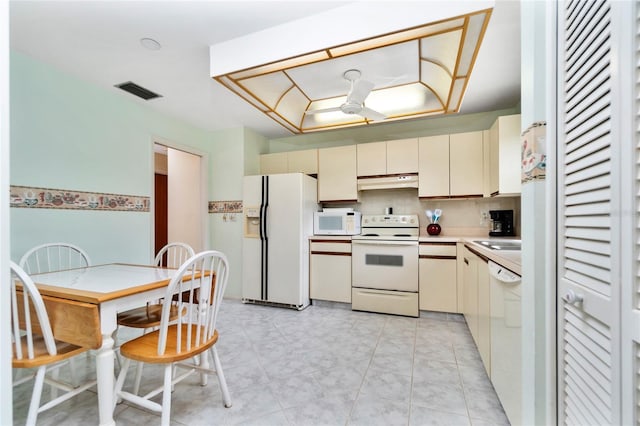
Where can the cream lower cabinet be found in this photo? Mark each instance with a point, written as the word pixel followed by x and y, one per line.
pixel 470 291
pixel 438 277
pixel 484 314
pixel 477 303
pixel 330 270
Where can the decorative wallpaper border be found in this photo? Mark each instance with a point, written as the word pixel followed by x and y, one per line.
pixel 225 206
pixel 534 154
pixel 67 199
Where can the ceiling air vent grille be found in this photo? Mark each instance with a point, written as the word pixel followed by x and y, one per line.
pixel 138 91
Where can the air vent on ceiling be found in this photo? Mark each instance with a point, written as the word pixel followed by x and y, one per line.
pixel 139 91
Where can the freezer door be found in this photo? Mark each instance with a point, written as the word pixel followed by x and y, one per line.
pixel 252 244
pixel 285 236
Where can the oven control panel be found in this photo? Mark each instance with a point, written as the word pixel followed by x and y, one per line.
pixel 395 220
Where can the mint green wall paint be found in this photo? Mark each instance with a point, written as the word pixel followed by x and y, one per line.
pixel 254 145
pixel 227 169
pixel 70 134
pixel 382 132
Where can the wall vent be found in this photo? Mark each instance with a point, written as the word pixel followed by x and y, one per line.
pixel 138 91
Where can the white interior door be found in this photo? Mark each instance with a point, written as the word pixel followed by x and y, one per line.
pixel 185 198
pixel 592 190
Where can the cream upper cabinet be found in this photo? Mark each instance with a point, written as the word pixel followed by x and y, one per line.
pixel 433 173
pixel 273 163
pixel 337 179
pixel 388 158
pixel 304 161
pixel 402 156
pixel 466 161
pixel 372 159
pixel 505 155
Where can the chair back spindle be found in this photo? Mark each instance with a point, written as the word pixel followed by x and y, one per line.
pixel 53 257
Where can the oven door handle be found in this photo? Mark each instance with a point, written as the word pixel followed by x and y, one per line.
pixel 385 243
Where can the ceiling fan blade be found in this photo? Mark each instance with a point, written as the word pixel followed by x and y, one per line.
pixel 320 111
pixel 371 114
pixel 359 91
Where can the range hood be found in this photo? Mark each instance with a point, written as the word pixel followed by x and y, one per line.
pixel 387 182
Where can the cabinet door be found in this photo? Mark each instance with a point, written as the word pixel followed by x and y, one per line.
pixel 337 174
pixel 433 171
pixel 484 314
pixel 437 278
pixel 466 163
pixel 402 156
pixel 505 155
pixel 330 272
pixel 372 159
pixel 273 163
pixel 305 161
pixel 470 281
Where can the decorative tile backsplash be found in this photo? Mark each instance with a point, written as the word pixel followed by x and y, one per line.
pixel 225 206
pixel 47 198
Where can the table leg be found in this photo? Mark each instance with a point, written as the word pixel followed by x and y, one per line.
pixel 104 371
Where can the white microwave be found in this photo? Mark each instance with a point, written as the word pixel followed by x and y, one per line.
pixel 336 223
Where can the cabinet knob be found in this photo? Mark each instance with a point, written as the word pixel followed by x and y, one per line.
pixel 573 298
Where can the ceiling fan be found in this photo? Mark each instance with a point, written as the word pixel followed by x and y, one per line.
pixel 354 104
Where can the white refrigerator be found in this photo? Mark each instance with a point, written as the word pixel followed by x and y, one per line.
pixel 278 221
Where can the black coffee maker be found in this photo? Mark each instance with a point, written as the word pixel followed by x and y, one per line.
pixel 501 223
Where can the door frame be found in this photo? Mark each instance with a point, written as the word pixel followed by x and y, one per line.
pixel 204 189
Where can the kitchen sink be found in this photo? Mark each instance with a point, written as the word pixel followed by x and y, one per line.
pixel 500 244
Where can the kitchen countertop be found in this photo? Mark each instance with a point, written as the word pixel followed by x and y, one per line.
pixel 510 259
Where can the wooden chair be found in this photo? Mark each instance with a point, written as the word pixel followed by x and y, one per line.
pixel 173 255
pixel 147 317
pixel 191 338
pixel 53 257
pixel 33 344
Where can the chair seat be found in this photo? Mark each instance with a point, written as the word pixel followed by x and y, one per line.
pixel 146 316
pixel 145 347
pixel 42 357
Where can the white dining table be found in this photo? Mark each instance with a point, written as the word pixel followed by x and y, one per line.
pixel 113 288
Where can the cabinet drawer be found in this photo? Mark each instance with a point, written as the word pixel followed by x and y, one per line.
pixel 438 249
pixel 329 248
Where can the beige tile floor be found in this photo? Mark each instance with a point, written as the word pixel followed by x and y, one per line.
pixel 326 365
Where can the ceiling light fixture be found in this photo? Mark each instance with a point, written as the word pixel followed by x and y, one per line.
pixel 415 72
pixel 150 44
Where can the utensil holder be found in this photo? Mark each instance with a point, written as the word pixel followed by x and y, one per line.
pixel 433 229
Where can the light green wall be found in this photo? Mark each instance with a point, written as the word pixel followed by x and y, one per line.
pixel 231 148
pixel 382 132
pixel 70 134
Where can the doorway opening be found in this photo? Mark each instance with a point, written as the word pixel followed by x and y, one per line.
pixel 179 197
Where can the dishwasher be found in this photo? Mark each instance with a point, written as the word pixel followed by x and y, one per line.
pixel 506 339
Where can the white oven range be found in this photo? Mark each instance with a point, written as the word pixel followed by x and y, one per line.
pixel 384 264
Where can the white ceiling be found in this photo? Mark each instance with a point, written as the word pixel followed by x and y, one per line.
pixel 99 41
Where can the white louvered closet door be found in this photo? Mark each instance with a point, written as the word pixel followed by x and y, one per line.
pixel 630 311
pixel 593 236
